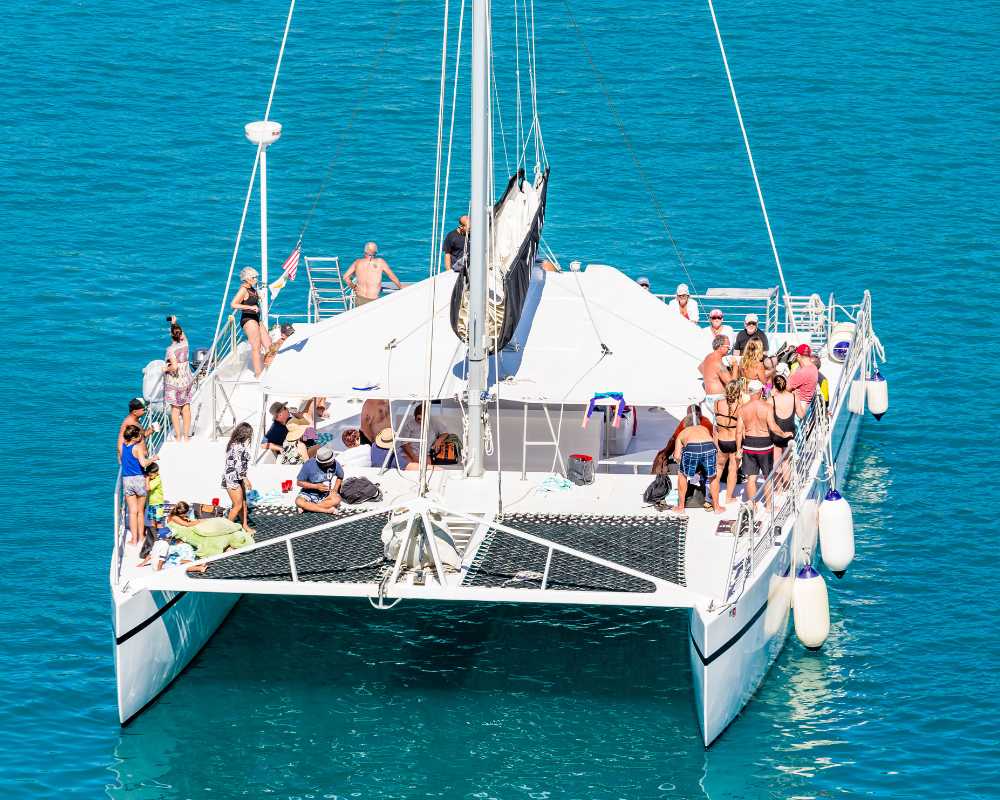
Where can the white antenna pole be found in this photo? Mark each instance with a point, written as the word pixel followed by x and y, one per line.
pixel 263 134
pixel 479 235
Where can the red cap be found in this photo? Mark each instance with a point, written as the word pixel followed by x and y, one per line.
pixel 804 350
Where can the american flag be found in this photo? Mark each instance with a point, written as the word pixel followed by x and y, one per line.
pixel 291 265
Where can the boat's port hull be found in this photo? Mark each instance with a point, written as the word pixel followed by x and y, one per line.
pixel 731 652
pixel 156 636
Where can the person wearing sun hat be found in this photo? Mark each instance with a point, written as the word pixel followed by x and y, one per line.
pixel 804 380
pixel 751 330
pixel 319 480
pixel 683 305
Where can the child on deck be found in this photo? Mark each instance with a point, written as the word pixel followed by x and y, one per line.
pixel 169 552
pixel 154 493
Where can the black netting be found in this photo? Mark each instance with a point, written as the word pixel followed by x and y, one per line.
pixel 349 553
pixel 654 545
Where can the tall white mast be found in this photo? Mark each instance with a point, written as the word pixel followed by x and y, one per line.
pixel 263 134
pixel 479 237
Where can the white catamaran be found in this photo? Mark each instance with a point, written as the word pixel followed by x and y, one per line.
pixel 532 367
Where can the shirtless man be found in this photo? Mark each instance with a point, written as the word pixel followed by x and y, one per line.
pixel 365 275
pixel 695 447
pixel 374 417
pixel 757 417
pixel 716 373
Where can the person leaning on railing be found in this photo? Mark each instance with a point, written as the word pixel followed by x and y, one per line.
pixel 136 411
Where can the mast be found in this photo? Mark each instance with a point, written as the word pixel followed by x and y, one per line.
pixel 479 238
pixel 263 134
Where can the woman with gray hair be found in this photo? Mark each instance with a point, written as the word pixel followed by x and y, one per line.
pixel 247 302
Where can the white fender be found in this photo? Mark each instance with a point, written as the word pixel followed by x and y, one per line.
pixel 811 608
pixel 779 598
pixel 839 344
pixel 836 533
pixel 878 395
pixel 152 381
pixel 856 399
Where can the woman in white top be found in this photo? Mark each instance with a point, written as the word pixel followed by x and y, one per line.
pixel 178 383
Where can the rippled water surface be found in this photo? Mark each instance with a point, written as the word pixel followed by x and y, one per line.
pixel 124 165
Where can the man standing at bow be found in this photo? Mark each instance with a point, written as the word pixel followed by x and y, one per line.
pixel 364 276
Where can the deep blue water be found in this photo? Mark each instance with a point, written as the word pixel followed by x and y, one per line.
pixel 124 166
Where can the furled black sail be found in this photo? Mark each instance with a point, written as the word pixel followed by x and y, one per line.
pixel 515 242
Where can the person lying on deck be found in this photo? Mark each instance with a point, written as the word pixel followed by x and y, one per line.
pixel 287 329
pixel 320 479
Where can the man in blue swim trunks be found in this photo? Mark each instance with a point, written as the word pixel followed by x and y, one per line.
pixel 695 448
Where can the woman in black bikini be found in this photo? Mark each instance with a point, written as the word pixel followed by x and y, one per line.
pixel 784 407
pixel 729 437
pixel 247 302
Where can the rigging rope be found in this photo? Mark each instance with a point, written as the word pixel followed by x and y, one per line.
pixel 253 177
pixel 386 41
pixel 628 144
pixel 753 168
pixel 451 132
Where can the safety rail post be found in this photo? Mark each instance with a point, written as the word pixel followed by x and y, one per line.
pixel 545 574
pixel 291 561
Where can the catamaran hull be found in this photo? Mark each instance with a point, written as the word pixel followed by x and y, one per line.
pixel 731 652
pixel 156 636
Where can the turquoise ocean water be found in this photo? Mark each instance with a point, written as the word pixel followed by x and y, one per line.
pixel 123 168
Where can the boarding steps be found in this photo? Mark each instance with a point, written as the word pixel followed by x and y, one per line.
pixel 328 295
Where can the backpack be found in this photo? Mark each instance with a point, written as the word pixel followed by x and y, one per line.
pixel 658 490
pixel 360 490
pixel 449 451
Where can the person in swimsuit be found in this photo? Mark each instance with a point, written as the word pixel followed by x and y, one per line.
pixel 758 449
pixel 716 373
pixel 247 302
pixel 729 438
pixel 178 383
pixel 695 448
pixel 751 366
pixel 364 276
pixel 784 408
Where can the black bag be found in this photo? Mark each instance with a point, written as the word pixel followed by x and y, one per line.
pixel 360 490
pixel 658 490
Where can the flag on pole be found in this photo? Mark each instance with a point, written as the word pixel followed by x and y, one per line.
pixel 291 265
pixel 288 270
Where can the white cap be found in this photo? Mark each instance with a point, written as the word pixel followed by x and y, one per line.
pixel 755 386
pixel 782 369
pixel 643 281
pixel 682 288
pixel 750 318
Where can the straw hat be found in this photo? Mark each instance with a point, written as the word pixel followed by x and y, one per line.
pixel 384 438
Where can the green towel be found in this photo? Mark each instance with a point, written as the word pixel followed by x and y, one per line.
pixel 210 537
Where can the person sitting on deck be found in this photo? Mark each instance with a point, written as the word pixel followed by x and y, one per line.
pixel 320 479
pixel 275 440
pixel 136 411
pixel 411 430
pixel 751 330
pixel 757 417
pixel 805 379
pixel 383 452
pixel 683 304
pixel 374 418
pixel 364 276
pixel 287 329
pixel 716 373
pixel 354 453
pixel 695 448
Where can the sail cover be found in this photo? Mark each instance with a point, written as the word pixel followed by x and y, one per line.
pixel 517 228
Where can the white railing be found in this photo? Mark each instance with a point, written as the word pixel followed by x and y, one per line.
pixel 735 304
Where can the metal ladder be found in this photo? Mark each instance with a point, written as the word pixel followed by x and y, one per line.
pixel 328 295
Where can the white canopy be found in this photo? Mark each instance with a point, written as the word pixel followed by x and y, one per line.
pixel 350 355
pixel 652 354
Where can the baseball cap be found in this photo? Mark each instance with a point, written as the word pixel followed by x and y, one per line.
pixel 715 312
pixel 682 288
pixel 804 350
pixel 782 369
pixel 755 386
pixel 750 318
pixel 643 281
